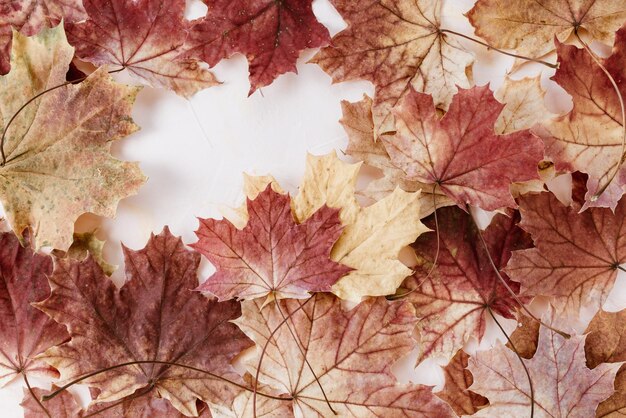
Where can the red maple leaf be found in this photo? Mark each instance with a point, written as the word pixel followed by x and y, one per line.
pixel 154 316
pixel 270 33
pixel 25 332
pixel 452 303
pixel 28 17
pixel 144 36
pixel 272 253
pixel 460 153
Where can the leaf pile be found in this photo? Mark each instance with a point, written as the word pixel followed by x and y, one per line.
pixel 314 295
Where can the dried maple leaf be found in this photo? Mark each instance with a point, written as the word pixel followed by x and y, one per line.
pixel 452 303
pixel 460 153
pixel 145 37
pixel 563 385
pixel 373 236
pixel 29 17
pixel 272 254
pixel 86 243
pixel 589 138
pixel 271 34
pixel 576 257
pixel 58 161
pixel 358 123
pixel 455 391
pixel 25 332
pixel 525 337
pixel 523 105
pixel 350 353
pixel 606 343
pixel 61 406
pixel 398 46
pixel 530 26
pixel 154 316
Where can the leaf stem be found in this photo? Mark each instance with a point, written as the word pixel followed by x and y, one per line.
pixel 508 288
pixel 264 350
pixel 29 101
pixel 469 38
pixel 168 363
pixel 32 393
pixel 530 381
pixel 596 59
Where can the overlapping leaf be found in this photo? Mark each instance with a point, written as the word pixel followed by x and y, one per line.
pixel 451 304
pixel 399 47
pixel 576 257
pixel 456 392
pixel 589 138
pixel 271 34
pixel 58 161
pixel 272 254
pixel 145 37
pixel 154 316
pixel 460 153
pixel 350 353
pixel 29 17
pixel 563 385
pixel 530 26
pixel 25 332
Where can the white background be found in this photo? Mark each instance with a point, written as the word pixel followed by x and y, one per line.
pixel 195 151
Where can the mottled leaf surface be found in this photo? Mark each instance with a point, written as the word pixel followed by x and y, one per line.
pixel 576 256
pixel 563 385
pixel 271 34
pixel 145 37
pixel 460 152
pixel 25 332
pixel 451 305
pixel 350 352
pixel 58 161
pixel 272 253
pixel 154 316
pixel 398 46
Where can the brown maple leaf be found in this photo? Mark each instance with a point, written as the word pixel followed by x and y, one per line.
pixel 460 153
pixel 576 258
pixel 29 17
pixel 154 316
pixel 25 332
pixel 451 304
pixel 399 47
pixel 272 254
pixel 530 26
pixel 589 138
pixel 563 385
pixel 350 353
pixel 145 37
pixel 58 162
pixel 455 391
pixel 606 343
pixel 271 34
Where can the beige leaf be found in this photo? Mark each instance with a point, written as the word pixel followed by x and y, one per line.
pixel 524 105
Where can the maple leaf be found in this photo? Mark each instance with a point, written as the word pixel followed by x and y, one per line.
pixel 272 254
pixel 86 243
pixel 373 236
pixel 29 17
pixel 530 26
pixel 576 257
pixel 62 406
pixel 523 105
pixel 606 343
pixel 350 352
pixel 589 138
pixel 25 332
pixel 525 338
pixel 271 34
pixel 563 385
pixel 154 316
pixel 144 36
pixel 358 123
pixel 452 303
pixel 460 152
pixel 58 164
pixel 399 47
pixel 455 391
